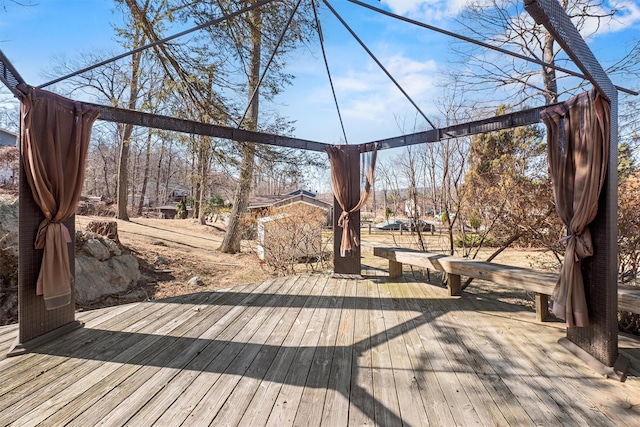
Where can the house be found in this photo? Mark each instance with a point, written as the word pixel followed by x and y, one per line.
pixel 260 205
pixel 7 139
pixel 280 235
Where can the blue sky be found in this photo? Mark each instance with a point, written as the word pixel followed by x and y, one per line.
pixel 372 107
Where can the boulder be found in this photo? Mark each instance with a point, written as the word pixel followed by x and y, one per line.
pixel 96 279
pixel 96 248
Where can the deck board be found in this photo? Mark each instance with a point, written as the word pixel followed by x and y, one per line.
pixel 318 351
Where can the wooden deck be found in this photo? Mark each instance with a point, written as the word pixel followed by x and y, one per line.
pixel 314 350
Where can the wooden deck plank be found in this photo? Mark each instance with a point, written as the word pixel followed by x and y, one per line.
pixel 336 404
pixel 238 358
pixel 155 407
pixel 434 333
pixel 386 405
pixel 412 410
pixel 58 368
pixel 196 378
pixel 290 362
pixel 510 388
pixel 310 409
pixel 489 400
pixel 92 367
pixel 312 350
pixel 104 316
pixel 361 407
pixel 201 312
pixel 433 395
pixel 558 367
pixel 241 398
pixel 524 357
pixel 289 396
pixel 142 385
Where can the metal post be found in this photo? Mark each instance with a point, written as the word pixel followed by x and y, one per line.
pixel 600 339
pixel 351 265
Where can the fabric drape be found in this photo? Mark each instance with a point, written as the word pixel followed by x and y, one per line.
pixel 340 158
pixel 578 150
pixel 54 141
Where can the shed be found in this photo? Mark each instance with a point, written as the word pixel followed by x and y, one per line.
pixel 8 138
pixel 259 205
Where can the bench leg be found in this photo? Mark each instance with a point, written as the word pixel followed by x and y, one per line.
pixel 395 269
pixel 542 307
pixel 453 284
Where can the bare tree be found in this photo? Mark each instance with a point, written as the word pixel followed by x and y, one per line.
pixel 505 24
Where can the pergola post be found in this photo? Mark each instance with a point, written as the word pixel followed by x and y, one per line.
pixel 36 324
pixel 351 265
pixel 597 343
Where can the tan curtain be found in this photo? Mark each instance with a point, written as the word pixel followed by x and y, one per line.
pixel 578 149
pixel 340 158
pixel 54 140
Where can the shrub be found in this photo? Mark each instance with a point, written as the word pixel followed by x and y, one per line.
pixel 472 240
pixel 291 236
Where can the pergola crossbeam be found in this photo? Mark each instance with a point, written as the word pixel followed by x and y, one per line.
pixel 505 121
pixel 156 121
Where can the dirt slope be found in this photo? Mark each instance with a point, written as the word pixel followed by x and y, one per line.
pixel 173 251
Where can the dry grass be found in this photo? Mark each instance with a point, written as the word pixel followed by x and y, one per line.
pixel 172 251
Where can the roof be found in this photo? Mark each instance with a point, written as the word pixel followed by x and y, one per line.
pixel 8 138
pixel 298 196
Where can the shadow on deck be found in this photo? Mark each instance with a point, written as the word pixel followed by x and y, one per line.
pixel 313 350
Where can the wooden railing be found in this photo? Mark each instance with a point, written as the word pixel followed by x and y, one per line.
pixel 538 282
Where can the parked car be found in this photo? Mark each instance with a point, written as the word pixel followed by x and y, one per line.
pixel 421 225
pixel 389 225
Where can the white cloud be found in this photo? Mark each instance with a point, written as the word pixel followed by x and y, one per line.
pixel 428 9
pixel 369 99
pixel 628 16
pixel 369 102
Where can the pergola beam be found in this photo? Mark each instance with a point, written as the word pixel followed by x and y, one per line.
pixel 156 121
pixel 496 123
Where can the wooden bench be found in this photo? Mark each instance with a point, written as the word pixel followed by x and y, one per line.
pixel 540 283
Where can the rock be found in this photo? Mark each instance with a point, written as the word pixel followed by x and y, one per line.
pixel 160 260
pixel 96 279
pixel 195 281
pixel 113 247
pixel 8 259
pixel 96 249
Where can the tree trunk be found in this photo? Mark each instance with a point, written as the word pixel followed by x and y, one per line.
pixel 158 174
pixel 233 236
pixel 123 173
pixel 145 177
pixel 204 174
pixel 549 74
pixel 123 158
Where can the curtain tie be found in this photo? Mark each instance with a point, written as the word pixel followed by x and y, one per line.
pixel 583 245
pixel 343 220
pixel 42 232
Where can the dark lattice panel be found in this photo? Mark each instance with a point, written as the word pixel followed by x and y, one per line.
pixel 8 75
pixel 34 319
pixel 600 271
pixel 352 264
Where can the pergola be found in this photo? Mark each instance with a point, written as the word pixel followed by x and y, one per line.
pixel 597 343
